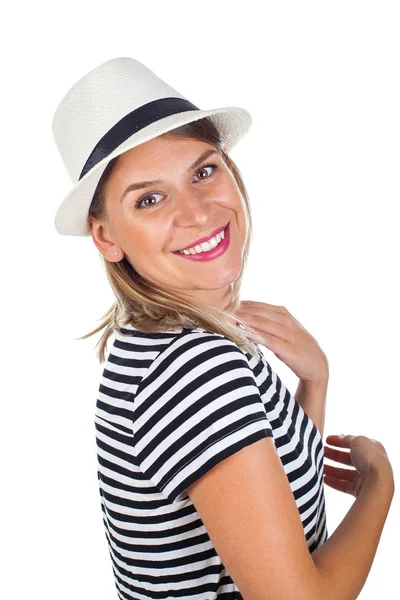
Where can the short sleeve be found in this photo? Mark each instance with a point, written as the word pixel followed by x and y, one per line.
pixel 197 404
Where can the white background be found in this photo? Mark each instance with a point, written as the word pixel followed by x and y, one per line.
pixel 321 164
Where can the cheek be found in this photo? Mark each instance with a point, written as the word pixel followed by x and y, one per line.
pixel 148 241
pixel 227 194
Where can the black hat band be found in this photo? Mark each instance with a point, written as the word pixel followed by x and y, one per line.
pixel 133 122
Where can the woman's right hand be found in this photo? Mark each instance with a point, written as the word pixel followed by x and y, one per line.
pixel 366 455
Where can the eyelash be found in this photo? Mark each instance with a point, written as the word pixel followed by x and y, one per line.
pixel 142 198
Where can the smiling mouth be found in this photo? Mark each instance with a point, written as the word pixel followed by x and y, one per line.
pixel 203 240
pixel 214 251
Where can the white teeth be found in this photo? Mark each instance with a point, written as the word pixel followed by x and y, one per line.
pixel 205 246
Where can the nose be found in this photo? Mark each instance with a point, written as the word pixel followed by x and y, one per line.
pixel 193 205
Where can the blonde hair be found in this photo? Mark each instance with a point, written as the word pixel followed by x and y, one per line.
pixel 151 309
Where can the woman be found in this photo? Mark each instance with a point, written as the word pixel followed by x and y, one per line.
pixel 210 470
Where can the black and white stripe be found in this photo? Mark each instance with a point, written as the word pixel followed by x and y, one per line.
pixel 170 406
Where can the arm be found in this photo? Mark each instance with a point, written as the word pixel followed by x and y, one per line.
pixel 345 559
pixel 311 395
pixel 256 530
pixel 297 348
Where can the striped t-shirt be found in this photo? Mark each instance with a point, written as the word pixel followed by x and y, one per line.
pixel 170 406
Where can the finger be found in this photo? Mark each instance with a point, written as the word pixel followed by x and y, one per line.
pixel 262 309
pixel 346 474
pixel 266 325
pixel 338 484
pixel 344 441
pixel 338 455
pixel 253 305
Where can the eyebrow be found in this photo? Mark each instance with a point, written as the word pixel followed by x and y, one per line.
pixel 142 184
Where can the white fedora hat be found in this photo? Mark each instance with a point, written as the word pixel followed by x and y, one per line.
pixel 113 108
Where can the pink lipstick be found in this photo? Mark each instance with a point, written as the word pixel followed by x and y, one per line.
pixel 210 254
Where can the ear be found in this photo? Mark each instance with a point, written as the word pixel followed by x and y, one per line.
pixel 104 241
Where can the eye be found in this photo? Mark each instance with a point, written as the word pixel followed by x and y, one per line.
pixel 152 194
pixel 203 167
pixel 143 198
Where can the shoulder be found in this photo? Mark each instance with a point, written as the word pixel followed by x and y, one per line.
pixel 197 357
pixel 183 341
pixel 199 346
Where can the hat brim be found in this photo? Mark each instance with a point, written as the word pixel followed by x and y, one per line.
pixel 71 216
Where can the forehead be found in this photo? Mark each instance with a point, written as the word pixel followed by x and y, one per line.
pixel 165 148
